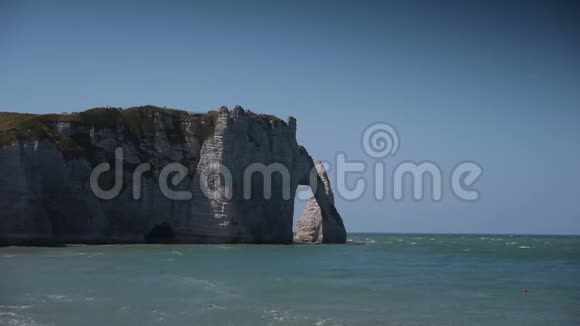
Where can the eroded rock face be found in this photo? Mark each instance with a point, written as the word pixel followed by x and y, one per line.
pixel 321 222
pixel 46 198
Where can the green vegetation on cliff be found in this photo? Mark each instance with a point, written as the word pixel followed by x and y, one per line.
pixel 15 126
pixel 134 124
pixel 73 133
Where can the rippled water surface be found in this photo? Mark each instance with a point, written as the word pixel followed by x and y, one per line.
pixel 374 280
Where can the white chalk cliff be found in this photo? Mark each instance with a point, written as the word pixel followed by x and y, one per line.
pixel 46 163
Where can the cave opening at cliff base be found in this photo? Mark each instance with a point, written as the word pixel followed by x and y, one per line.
pixel 160 233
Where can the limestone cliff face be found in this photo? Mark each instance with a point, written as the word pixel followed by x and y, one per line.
pixel 46 163
pixel 321 222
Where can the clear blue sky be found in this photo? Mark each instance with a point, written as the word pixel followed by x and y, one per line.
pixel 494 82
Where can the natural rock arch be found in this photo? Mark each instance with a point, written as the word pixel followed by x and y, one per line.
pixel 320 222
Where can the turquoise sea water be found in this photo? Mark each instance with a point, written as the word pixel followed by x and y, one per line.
pixel 384 279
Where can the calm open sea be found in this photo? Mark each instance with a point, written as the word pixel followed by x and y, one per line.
pixel 377 279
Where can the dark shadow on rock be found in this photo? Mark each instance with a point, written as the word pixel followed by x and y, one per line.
pixel 161 233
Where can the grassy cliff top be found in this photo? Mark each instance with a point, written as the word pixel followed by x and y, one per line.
pixel 98 117
pixel 135 122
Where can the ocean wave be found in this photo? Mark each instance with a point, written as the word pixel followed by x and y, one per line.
pixel 95 254
pixel 279 316
pixel 64 298
pixel 14 319
pixel 125 309
pixel 70 254
pixel 366 241
pixel 524 247
pixel 213 306
pixel 160 315
pixel 16 307
pixel 59 298
pixel 285 317
pixel 224 247
pixel 192 280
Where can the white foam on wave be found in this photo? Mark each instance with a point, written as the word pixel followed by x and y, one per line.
pixel 175 252
pixel 365 241
pixel 10 314
pixel 524 247
pixel 70 254
pixel 199 281
pixel 15 307
pixel 213 306
pixel 160 315
pixel 96 254
pixel 125 309
pixel 278 315
pixel 290 317
pixel 14 319
pixel 490 239
pixel 56 297
pixel 323 322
